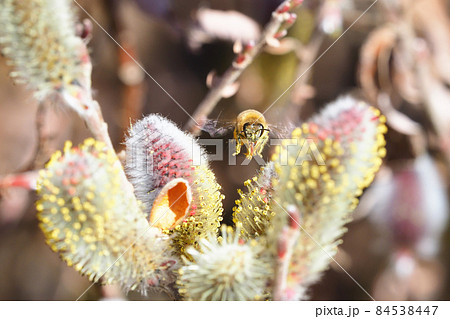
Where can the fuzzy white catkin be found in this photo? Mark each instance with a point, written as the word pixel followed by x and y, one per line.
pixel 38 38
pixel 159 152
pixel 225 270
pixel 96 225
pixel 320 172
pixel 348 134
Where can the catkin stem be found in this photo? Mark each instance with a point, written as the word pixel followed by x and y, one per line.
pixel 286 244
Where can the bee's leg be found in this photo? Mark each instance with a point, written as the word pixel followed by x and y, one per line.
pixel 261 143
pixel 237 137
pixel 238 148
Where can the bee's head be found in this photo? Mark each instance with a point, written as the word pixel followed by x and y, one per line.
pixel 253 131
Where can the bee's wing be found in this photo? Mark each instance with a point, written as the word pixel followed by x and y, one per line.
pixel 281 130
pixel 217 128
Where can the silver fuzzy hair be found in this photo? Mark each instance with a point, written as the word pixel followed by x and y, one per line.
pixel 96 225
pixel 156 141
pixel 227 269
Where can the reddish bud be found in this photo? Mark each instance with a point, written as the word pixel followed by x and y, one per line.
pixel 240 58
pixel 280 34
pixel 292 18
pixel 249 46
pixel 284 8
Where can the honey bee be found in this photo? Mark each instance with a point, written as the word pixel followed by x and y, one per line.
pixel 250 129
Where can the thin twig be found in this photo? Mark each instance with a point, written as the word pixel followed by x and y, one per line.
pixel 42 143
pixel 89 110
pixel 94 120
pixel 26 180
pixel 276 28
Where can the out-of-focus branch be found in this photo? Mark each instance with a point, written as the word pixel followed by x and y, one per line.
pixel 93 118
pixel 89 110
pixel 40 155
pixel 434 95
pixel 403 59
pixel 45 144
pixel 281 20
pixel 307 54
pixel 403 124
pixel 129 73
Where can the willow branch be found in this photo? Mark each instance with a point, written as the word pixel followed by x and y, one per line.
pixel 26 180
pixel 89 110
pixel 281 20
pixel 93 118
